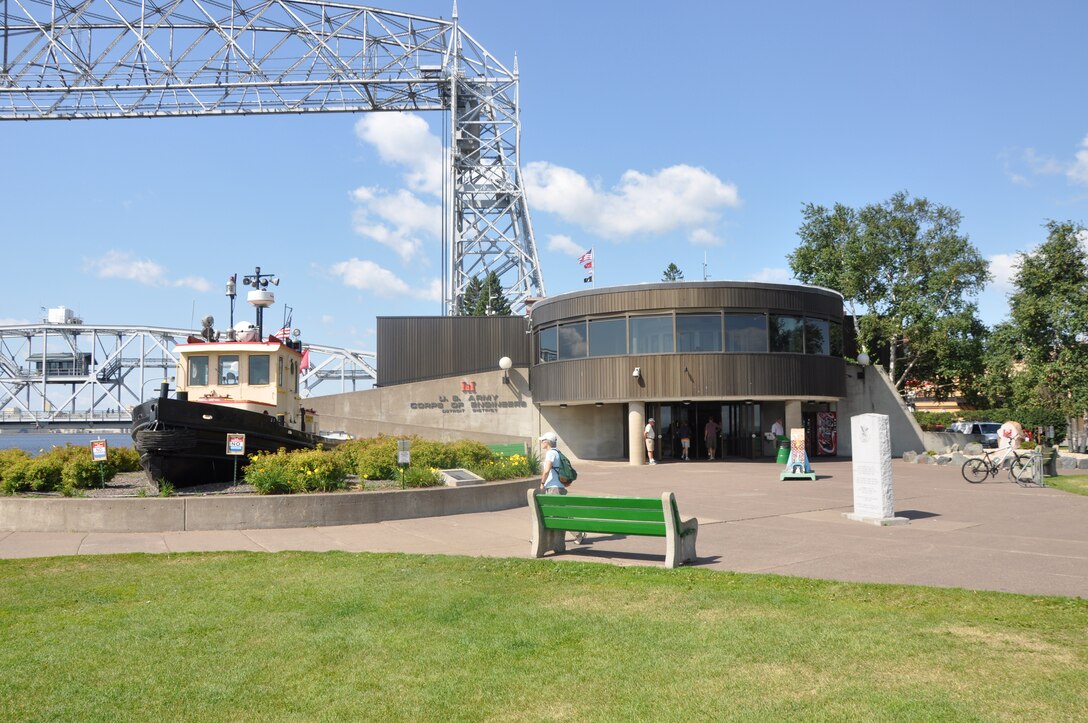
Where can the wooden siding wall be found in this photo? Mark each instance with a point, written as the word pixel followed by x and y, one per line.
pixel 708 376
pixel 418 348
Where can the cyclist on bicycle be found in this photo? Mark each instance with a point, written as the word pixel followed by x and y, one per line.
pixel 1009 436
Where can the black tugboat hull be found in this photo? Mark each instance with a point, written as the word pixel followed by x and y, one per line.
pixel 185 443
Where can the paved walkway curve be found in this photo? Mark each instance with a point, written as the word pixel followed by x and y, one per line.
pixel 991 536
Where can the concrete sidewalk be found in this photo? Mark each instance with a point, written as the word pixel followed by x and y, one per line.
pixel 991 536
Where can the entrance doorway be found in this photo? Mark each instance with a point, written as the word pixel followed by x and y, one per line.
pixel 738 429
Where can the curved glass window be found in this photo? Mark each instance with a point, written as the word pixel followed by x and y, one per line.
pixel 573 343
pixel 547 342
pixel 698 332
pixel 651 334
pixel 607 337
pixel 787 334
pixel 746 332
pixel 835 336
pixel 817 337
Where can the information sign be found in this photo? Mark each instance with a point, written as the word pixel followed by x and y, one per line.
pixel 98 450
pixel 236 444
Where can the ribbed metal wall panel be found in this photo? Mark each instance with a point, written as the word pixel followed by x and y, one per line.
pixel 418 348
pixel 707 376
pixel 733 296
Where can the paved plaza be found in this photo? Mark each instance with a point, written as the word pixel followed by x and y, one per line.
pixel 991 536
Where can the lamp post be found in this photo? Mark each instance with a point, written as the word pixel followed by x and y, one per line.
pixel 863 361
pixel 505 363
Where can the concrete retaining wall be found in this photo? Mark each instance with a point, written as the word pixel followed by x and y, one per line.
pixel 251 512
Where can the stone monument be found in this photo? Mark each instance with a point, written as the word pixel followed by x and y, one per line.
pixel 874 498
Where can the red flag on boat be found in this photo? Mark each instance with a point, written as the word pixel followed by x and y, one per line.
pixel 305 358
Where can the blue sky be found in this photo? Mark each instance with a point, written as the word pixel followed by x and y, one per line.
pixel 652 135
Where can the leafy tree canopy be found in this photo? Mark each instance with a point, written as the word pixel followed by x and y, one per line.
pixel 1049 326
pixel 907 275
pixel 672 273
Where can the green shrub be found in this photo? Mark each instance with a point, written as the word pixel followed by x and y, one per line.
pixel 431 454
pixel 270 474
pixel 501 467
pixel 469 454
pixel 304 470
pixel 421 477
pixel 84 473
pixel 377 460
pixel 316 470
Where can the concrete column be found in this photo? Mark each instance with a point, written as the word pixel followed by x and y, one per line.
pixel 636 424
pixel 793 416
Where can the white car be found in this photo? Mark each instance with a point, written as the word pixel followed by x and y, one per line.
pixel 988 432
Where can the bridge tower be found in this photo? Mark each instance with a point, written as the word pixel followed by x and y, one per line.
pixel 82 59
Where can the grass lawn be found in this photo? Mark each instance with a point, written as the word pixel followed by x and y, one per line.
pixel 339 636
pixel 1075 483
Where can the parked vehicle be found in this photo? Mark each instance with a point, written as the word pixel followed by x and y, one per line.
pixel 988 432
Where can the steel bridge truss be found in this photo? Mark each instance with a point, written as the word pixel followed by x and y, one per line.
pixel 71 59
pixel 78 373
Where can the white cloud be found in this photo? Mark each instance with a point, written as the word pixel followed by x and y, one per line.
pixel 1078 170
pixel 702 237
pixel 399 220
pixel 369 276
pixel 1075 171
pixel 675 197
pixel 405 139
pixel 1003 267
pixel 773 275
pixel 328 319
pixel 566 245
pixel 121 265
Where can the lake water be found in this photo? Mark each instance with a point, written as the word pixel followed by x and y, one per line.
pixel 34 442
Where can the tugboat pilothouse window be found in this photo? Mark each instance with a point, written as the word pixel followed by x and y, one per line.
pixel 228 370
pixel 259 369
pixel 198 371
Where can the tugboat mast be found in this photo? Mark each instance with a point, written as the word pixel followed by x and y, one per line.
pixel 260 297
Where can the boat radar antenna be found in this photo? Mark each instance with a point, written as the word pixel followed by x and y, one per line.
pixel 260 297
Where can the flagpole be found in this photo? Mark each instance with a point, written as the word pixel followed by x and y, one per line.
pixel 593 250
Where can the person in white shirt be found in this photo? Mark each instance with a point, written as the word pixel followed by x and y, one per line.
pixel 649 434
pixel 777 430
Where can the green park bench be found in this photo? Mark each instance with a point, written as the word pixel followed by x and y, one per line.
pixel 508 450
pixel 555 515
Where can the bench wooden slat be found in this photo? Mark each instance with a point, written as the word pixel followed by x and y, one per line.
pixel 634 503
pixel 615 527
pixel 600 513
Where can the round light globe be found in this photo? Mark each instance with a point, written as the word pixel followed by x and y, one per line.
pixel 505 363
pixel 863 359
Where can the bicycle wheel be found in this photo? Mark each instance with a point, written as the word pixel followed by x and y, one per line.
pixel 975 470
pixel 1022 470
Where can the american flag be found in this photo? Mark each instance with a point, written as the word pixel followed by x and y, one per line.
pixel 586 259
pixel 284 333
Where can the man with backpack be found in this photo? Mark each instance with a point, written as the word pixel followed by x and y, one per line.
pixel 553 461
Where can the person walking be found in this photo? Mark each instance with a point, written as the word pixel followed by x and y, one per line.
pixel 549 472
pixel 685 440
pixel 710 436
pixel 650 436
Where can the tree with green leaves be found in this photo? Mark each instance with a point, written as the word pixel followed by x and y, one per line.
pixel 1049 322
pixel 907 275
pixel 485 298
pixel 673 273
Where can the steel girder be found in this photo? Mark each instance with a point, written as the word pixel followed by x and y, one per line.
pixel 72 59
pixel 78 372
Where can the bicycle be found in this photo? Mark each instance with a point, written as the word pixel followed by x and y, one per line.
pixel 1021 467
